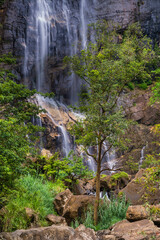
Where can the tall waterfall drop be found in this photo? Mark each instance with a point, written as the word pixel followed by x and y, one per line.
pixel 57 32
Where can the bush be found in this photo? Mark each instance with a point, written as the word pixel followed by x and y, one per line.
pixel 131 85
pixel 109 213
pixel 34 193
pixel 143 86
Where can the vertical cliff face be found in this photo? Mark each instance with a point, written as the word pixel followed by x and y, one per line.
pixel 52 29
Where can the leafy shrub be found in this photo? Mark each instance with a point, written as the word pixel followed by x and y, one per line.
pixel 32 192
pixel 109 213
pixel 131 85
pixel 143 86
pixel 68 170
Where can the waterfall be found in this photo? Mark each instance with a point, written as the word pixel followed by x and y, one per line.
pixel 53 31
pixel 43 33
pixel 37 48
pixel 142 157
pixel 53 112
pixel 83 23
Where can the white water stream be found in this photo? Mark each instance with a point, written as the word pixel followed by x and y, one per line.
pixel 53 111
pixel 142 156
pixel 42 24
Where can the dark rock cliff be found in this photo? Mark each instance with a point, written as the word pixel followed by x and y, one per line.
pixel 16 19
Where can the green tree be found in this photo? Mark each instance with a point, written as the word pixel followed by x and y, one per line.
pixel 68 170
pixel 107 67
pixel 17 133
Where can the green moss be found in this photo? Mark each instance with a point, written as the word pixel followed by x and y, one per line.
pixel 119 175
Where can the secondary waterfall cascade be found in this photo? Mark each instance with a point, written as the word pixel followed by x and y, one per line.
pixel 142 156
pixel 53 31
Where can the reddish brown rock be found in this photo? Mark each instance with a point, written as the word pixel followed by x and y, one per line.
pixel 76 206
pixel 135 213
pixel 56 220
pixel 134 191
pixel 61 200
pixel 72 206
pixel 47 233
pixel 139 230
pixel 83 233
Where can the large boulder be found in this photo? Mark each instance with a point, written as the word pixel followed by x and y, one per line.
pixel 61 200
pixel 135 213
pixel 47 233
pixel 139 230
pixel 76 206
pixel 72 206
pixel 134 191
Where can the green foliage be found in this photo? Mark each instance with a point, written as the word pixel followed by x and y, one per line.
pixel 131 85
pixel 117 176
pixel 151 161
pixel 109 213
pixel 17 134
pixel 150 182
pixel 7 58
pixel 143 86
pixel 32 192
pixel 67 170
pixel 133 166
pixel 107 67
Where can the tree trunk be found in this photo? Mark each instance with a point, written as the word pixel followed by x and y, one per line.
pixel 96 205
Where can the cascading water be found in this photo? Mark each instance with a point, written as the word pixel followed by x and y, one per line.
pixel 39 24
pixel 142 157
pixel 53 112
pixel 83 23
pixel 43 34
pixel 55 28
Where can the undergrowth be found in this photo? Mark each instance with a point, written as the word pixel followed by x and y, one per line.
pixel 32 192
pixel 110 212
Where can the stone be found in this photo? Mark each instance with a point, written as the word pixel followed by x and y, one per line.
pixel 134 191
pixel 47 233
pixel 72 206
pixel 109 237
pixel 135 213
pixel 103 233
pixel 155 214
pixel 56 220
pixel 83 233
pixel 61 200
pixel 46 153
pixel 139 230
pixel 33 217
pixel 76 207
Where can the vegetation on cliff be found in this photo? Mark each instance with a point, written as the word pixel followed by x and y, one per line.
pixel 107 67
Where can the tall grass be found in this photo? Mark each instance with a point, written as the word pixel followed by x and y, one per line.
pixel 32 192
pixel 109 213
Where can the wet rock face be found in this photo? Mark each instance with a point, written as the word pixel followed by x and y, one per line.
pixel 67 20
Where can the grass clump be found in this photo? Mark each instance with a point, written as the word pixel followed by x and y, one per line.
pixel 110 212
pixel 32 192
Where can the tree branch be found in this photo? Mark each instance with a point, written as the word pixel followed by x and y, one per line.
pixel 109 169
pixel 106 152
pixel 91 155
